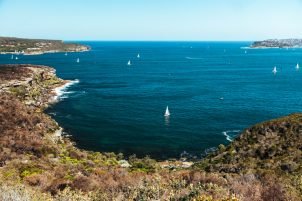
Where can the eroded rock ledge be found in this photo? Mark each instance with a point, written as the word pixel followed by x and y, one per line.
pixel 33 85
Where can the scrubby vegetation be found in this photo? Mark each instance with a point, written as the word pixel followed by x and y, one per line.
pixel 263 164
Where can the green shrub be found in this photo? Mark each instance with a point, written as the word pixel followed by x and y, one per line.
pixel 19 91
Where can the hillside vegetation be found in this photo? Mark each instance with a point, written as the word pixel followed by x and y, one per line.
pixel 38 163
pixel 37 46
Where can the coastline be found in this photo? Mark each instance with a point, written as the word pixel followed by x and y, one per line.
pixel 263 47
pixel 35 156
pixel 60 90
pixel 41 52
pixel 22 46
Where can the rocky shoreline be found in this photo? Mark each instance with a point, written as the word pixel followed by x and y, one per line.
pixel 36 161
pixel 277 43
pixel 33 85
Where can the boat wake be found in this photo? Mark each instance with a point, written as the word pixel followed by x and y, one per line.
pixel 194 58
pixel 231 134
pixel 61 92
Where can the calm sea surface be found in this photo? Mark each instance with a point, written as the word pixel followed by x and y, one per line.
pixel 213 90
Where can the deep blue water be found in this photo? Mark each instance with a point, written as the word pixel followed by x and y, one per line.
pixel 120 108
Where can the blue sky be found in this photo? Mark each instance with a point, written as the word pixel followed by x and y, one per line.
pixel 186 20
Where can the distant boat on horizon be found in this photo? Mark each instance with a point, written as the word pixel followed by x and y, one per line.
pixel 167 113
pixel 275 70
pixel 129 63
pixel 297 66
pixel 138 56
pixel 78 60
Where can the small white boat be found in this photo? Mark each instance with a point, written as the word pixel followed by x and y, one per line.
pixel 275 70
pixel 297 67
pixel 129 63
pixel 78 60
pixel 17 58
pixel 167 113
pixel 138 56
pixel 12 57
pixel 65 53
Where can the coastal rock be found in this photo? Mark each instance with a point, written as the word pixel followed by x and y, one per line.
pixel 124 164
pixel 275 43
pixel 33 85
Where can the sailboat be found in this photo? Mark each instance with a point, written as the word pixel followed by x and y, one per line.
pixel 297 66
pixel 167 113
pixel 129 63
pixel 17 58
pixel 78 60
pixel 12 57
pixel 275 70
pixel 138 56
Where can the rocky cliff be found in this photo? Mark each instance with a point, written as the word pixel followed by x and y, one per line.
pixel 33 85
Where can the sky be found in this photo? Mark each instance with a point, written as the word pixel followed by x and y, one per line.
pixel 152 20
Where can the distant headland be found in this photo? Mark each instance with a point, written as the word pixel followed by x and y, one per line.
pixel 278 43
pixel 11 45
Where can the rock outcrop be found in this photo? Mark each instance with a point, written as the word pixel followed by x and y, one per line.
pixel 275 43
pixel 33 85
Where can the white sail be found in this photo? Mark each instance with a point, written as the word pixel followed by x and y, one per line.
pixel 17 58
pixel 138 56
pixel 78 60
pixel 167 113
pixel 129 63
pixel 275 70
pixel 297 66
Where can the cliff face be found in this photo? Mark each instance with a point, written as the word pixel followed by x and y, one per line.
pixel 33 85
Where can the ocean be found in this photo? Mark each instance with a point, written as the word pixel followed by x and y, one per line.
pixel 214 91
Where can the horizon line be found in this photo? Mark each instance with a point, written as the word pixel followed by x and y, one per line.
pixel 91 40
